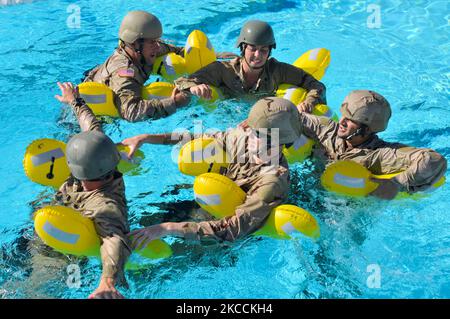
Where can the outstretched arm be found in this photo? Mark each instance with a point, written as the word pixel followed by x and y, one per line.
pixel 86 118
pixel 248 217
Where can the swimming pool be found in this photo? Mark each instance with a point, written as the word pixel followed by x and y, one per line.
pixel 368 248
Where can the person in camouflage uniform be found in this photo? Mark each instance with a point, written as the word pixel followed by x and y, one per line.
pixel 364 114
pixel 253 74
pixel 257 165
pixel 130 66
pixel 96 189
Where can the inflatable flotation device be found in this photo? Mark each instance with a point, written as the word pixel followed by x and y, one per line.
pixel 315 62
pixel 219 196
pixel 99 97
pixel 169 66
pixel 202 155
pixel 67 231
pixel 352 179
pixel 45 162
pixel 198 51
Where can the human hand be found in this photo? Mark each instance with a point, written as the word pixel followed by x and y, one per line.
pixel 202 90
pixel 305 107
pixel 134 143
pixel 106 290
pixel 244 124
pixel 181 98
pixel 140 238
pixel 68 91
pixel 387 189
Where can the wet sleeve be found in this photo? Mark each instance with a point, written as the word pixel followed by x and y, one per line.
pixel 166 48
pixel 210 74
pixel 292 75
pixel 421 167
pixel 132 107
pixel 111 226
pixel 86 118
pixel 318 128
pixel 248 218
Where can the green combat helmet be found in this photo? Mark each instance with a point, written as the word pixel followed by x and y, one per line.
pixel 256 32
pixel 275 112
pixel 91 155
pixel 367 107
pixel 139 25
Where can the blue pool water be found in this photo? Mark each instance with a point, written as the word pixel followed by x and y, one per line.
pixel 406 242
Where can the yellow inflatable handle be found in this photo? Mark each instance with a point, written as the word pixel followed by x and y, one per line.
pixel 45 163
pixel 352 179
pixel 219 196
pixel 202 155
pixel 67 231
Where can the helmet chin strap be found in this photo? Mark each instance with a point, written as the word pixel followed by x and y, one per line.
pixel 138 50
pixel 358 132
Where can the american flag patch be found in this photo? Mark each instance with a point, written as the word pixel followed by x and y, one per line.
pixel 126 73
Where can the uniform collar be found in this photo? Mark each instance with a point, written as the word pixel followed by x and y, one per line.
pixel 255 88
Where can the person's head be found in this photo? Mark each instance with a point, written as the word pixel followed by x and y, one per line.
pixel 256 42
pixel 139 34
pixel 92 157
pixel 275 122
pixel 364 113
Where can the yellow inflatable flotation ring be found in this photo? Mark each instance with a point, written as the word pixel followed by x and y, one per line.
pixel 67 231
pixel 315 62
pixel 200 156
pixel 99 97
pixel 352 179
pixel 126 165
pixel 157 90
pixel 45 162
pixel 300 150
pixel 219 196
pixel 198 51
pixel 170 66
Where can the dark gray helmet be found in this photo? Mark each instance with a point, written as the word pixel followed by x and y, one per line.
pixel 256 32
pixel 275 112
pixel 139 25
pixel 91 155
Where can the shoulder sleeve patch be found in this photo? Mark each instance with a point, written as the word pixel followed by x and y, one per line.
pixel 125 73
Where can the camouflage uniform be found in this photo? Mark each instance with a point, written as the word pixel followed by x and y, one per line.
pixel 229 78
pixel 421 167
pixel 106 206
pixel 126 79
pixel 266 185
